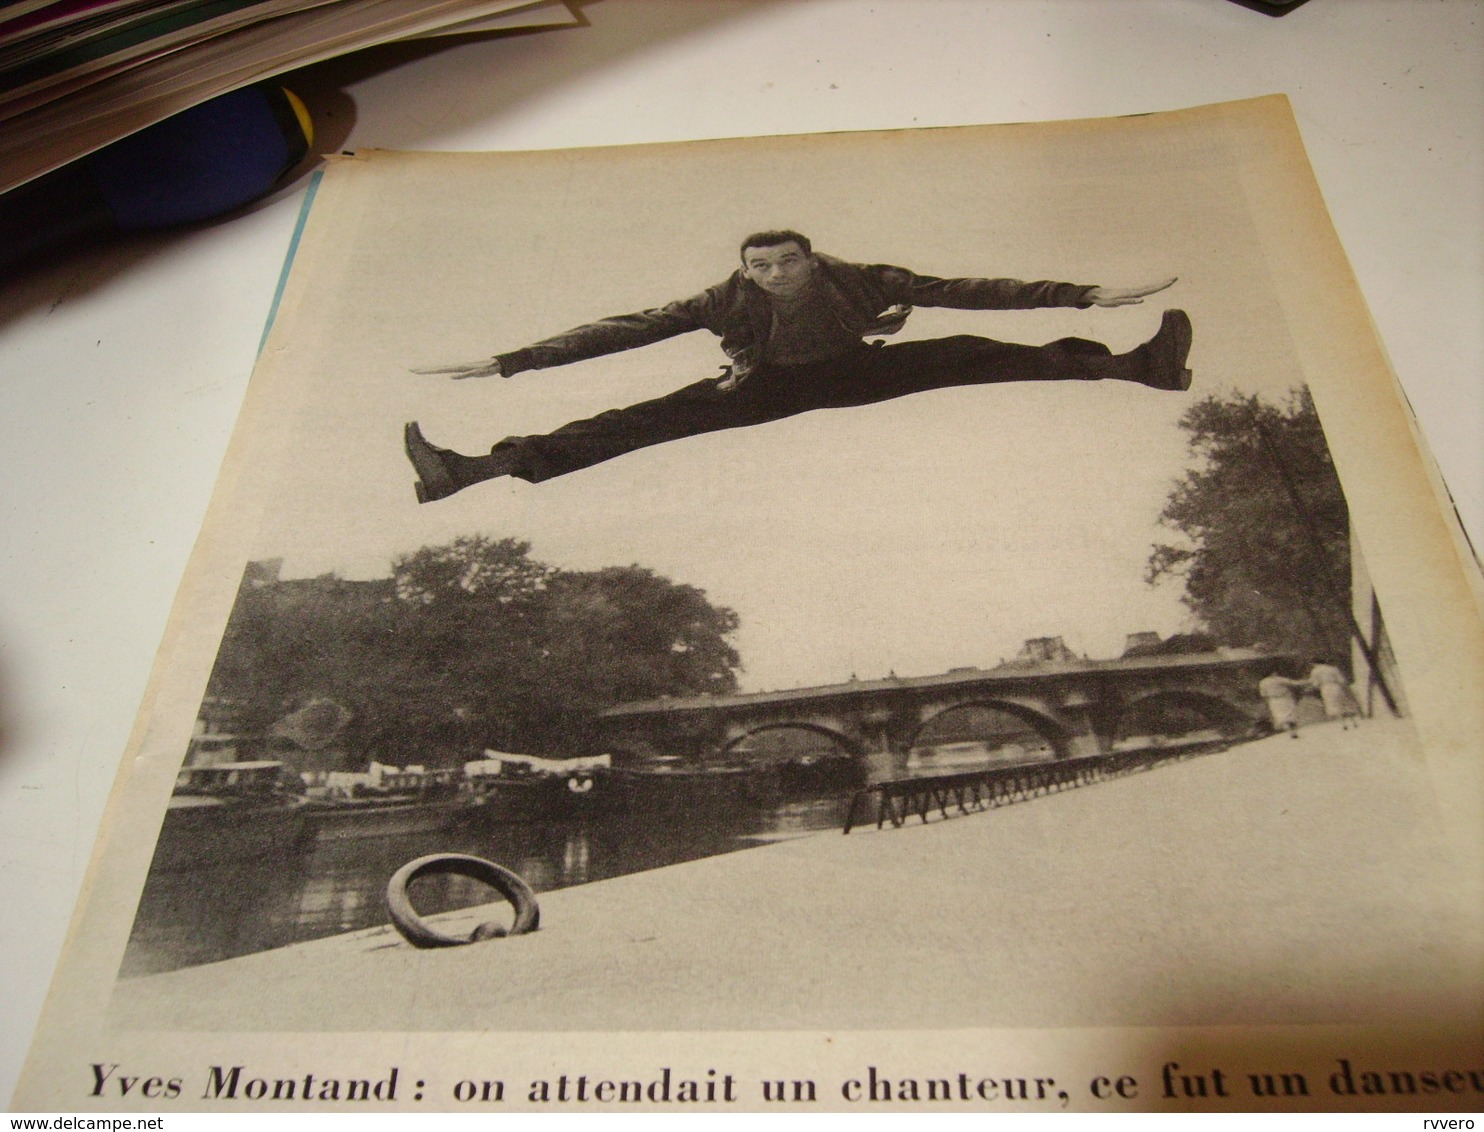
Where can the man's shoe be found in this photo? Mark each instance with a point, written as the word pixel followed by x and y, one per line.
pixel 1163 356
pixel 433 478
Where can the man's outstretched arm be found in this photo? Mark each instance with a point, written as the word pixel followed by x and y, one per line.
pixel 593 340
pixel 898 285
pixel 1126 296
pixel 484 367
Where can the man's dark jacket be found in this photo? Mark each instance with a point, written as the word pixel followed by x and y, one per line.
pixel 866 298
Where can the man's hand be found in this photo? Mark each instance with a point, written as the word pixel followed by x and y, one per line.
pixel 1125 296
pixel 485 367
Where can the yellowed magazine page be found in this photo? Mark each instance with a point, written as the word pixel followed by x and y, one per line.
pixel 941 620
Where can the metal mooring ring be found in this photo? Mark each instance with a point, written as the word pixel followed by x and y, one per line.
pixel 510 885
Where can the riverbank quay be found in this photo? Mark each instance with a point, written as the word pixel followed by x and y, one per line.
pixel 1280 882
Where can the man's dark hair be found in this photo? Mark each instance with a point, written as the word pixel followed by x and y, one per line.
pixel 773 239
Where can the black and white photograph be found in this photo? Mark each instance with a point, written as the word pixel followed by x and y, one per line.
pixel 704 597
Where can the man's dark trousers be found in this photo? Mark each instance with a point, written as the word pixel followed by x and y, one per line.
pixel 863 376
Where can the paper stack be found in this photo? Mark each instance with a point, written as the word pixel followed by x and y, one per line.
pixel 76 75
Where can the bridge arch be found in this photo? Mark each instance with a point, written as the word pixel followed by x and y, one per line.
pixel 842 741
pixel 1027 720
pixel 1171 712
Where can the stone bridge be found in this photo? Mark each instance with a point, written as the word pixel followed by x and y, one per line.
pixel 1078 707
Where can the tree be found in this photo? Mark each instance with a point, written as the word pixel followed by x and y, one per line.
pixel 288 643
pixel 470 644
pixel 470 566
pixel 1266 553
pixel 626 633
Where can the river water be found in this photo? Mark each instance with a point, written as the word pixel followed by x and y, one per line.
pixel 188 917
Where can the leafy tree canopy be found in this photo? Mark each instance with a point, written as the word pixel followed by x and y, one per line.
pixel 470 566
pixel 471 644
pixel 1265 547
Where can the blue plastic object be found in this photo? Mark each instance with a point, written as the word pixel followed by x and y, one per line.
pixel 202 162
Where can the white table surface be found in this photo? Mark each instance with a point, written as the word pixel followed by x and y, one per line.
pixel 121 371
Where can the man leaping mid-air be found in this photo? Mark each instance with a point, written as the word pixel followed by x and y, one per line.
pixel 792 324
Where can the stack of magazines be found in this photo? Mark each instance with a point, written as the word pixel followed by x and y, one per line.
pixel 78 74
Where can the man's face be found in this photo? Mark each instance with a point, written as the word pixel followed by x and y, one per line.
pixel 782 270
